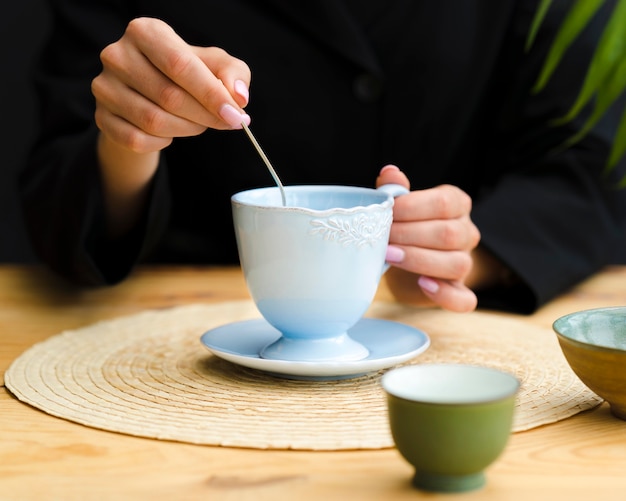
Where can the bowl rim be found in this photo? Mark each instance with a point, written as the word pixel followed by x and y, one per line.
pixel 599 347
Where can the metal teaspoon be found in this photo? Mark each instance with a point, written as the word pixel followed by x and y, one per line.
pixel 267 162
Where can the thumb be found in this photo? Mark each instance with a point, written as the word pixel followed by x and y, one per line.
pixel 390 174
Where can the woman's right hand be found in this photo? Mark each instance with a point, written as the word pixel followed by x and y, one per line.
pixel 154 87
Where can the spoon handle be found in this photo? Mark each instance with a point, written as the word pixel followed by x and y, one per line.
pixel 267 162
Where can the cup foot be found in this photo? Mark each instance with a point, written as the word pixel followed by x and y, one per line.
pixel 436 482
pixel 341 348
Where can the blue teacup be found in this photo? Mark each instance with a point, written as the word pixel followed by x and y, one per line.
pixel 314 265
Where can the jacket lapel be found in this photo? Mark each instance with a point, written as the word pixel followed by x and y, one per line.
pixel 330 22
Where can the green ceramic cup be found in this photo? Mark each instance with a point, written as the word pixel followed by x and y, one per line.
pixel 450 421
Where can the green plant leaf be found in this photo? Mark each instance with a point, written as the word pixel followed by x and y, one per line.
pixel 575 21
pixel 609 54
pixel 608 91
pixel 605 79
pixel 619 148
pixel 540 15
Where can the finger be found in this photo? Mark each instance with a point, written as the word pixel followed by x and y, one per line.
pixel 442 202
pixel 390 174
pixel 445 234
pixel 126 134
pixel 125 102
pixel 448 265
pixel 450 295
pixel 424 291
pixel 234 73
pixel 126 64
pixel 180 63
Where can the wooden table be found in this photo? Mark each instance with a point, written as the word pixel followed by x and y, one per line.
pixel 45 458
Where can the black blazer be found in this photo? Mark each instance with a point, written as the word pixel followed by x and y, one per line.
pixel 442 89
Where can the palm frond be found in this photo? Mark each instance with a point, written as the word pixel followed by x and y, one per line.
pixel 607 91
pixel 542 10
pixel 619 148
pixel 605 80
pixel 579 15
pixel 604 73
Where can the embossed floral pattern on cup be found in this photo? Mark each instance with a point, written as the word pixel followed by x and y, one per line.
pixel 353 229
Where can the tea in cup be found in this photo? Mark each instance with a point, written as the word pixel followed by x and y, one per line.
pixel 450 421
pixel 313 265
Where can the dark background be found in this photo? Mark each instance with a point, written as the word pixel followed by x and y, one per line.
pixel 23 27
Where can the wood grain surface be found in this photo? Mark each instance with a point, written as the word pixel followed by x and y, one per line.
pixel 46 458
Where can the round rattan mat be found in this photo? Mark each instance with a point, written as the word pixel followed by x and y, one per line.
pixel 148 375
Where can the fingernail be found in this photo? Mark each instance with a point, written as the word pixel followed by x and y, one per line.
pixel 242 90
pixel 232 117
pixel 389 167
pixel 428 284
pixel 394 254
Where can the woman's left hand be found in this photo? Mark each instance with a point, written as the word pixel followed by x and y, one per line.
pixel 431 244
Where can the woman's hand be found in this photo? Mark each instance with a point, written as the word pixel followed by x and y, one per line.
pixel 154 87
pixel 431 244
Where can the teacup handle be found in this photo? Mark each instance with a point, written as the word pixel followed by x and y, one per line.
pixel 395 190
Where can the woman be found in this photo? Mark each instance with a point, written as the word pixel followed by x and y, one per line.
pixel 140 149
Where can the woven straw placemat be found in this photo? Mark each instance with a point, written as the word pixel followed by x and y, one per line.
pixel 148 375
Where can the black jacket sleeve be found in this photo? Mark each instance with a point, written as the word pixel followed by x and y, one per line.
pixel 553 215
pixel 60 184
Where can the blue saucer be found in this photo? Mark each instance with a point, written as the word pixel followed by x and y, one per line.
pixel 389 343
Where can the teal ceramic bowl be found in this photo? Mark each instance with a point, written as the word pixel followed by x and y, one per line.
pixel 594 344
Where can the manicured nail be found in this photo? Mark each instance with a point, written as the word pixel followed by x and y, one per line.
pixel 389 167
pixel 394 254
pixel 242 90
pixel 428 284
pixel 232 117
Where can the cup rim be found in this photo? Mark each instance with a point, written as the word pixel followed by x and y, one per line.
pixel 510 384
pixel 240 198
